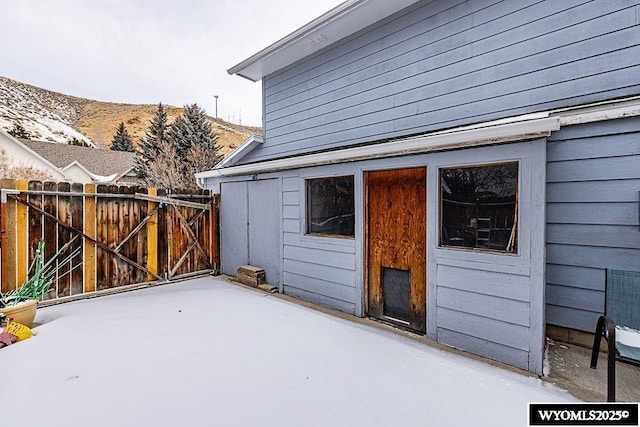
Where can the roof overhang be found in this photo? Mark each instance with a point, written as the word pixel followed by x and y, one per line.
pixel 243 149
pixel 528 126
pixel 338 23
pixel 519 128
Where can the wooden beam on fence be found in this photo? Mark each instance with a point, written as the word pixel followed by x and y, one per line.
pixel 138 227
pixel 172 201
pixel 89 231
pixel 22 250
pixel 186 226
pixel 195 244
pixel 181 260
pixel 152 234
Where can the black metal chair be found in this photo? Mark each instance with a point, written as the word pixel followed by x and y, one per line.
pixel 622 308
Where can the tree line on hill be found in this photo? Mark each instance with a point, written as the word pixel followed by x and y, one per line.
pixel 169 155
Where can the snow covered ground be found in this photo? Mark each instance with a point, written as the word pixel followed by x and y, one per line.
pixel 205 352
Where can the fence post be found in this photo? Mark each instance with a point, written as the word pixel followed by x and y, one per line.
pixel 22 250
pixel 89 224
pixel 8 239
pixel 215 233
pixel 152 237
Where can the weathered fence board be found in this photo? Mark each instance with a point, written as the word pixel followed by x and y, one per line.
pixel 126 235
pixel 163 238
pixel 50 228
pixel 64 217
pixel 77 219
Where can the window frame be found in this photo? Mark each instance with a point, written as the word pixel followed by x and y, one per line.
pixel 517 224
pixel 307 207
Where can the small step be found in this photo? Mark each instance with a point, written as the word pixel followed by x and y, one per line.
pixel 250 275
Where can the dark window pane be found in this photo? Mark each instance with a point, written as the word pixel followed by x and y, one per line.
pixel 330 206
pixel 479 207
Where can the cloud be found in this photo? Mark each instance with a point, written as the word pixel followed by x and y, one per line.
pixel 147 51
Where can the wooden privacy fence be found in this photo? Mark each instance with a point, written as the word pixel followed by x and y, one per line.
pixel 126 234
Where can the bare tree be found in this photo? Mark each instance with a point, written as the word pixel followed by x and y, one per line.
pixel 171 171
pixel 20 172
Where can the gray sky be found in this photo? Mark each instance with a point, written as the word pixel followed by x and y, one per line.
pixel 148 51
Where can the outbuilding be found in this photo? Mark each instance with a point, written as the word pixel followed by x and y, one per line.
pixel 465 170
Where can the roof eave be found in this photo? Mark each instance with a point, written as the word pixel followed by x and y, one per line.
pixel 517 128
pixel 243 149
pixel 333 26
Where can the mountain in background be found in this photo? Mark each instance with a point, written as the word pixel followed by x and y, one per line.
pixel 58 118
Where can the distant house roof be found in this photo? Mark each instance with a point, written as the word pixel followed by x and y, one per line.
pixel 98 162
pixel 22 155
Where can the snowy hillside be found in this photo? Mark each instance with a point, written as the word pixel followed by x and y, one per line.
pixel 45 115
pixel 55 117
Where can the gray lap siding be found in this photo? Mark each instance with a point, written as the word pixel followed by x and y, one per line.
pixel 593 184
pixel 442 64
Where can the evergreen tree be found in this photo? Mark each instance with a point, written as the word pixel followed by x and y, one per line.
pixel 78 143
pixel 193 129
pixel 151 143
pixel 121 140
pixel 18 131
pixel 190 146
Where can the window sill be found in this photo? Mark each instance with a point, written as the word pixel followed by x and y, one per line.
pixel 477 250
pixel 332 239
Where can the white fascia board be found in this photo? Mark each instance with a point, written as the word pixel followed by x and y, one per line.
pixel 94 177
pixel 243 149
pixel 335 25
pixel 75 163
pixel 80 166
pixel 469 136
pixel 602 111
pixel 122 174
pixel 508 129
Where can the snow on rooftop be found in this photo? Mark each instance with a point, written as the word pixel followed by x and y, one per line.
pixel 206 352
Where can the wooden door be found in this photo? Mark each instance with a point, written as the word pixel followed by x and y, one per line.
pixel 396 206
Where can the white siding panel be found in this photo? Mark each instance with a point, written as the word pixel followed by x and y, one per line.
pixel 484 348
pixel 296 240
pixel 320 287
pixel 484 282
pixel 324 272
pixel 290 198
pixel 502 309
pixel 506 334
pixel 291 212
pixel 347 307
pixel 320 256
